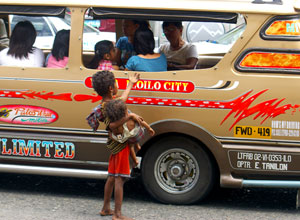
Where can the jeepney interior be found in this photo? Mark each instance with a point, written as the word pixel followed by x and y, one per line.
pixel 213 33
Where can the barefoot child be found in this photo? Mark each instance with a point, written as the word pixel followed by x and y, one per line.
pixel 104 84
pixel 116 111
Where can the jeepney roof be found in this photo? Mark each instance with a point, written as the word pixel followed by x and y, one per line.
pixel 241 6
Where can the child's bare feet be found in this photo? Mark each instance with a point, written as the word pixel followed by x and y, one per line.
pixel 122 217
pixel 106 212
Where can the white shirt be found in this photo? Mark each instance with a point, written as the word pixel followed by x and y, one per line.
pixel 179 56
pixel 34 59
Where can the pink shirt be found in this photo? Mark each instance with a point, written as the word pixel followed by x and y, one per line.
pixel 53 63
pixel 105 65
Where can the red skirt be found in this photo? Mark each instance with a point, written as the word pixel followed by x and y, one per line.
pixel 119 163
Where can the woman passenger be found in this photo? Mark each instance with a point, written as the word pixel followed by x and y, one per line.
pixel 146 60
pixel 21 51
pixel 180 54
pixel 59 56
pixel 125 44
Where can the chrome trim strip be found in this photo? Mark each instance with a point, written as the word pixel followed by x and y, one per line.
pixel 271 183
pixel 256 141
pixel 53 171
pixel 42 80
pixel 57 137
pixel 88 131
pixel 62 161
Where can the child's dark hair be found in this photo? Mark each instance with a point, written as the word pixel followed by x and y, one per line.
pixel 115 109
pixel 101 48
pixel 60 47
pixel 102 80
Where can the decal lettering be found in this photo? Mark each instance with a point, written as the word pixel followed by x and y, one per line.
pixel 292 27
pixel 270 161
pixel 70 150
pixel 58 149
pixel 37 148
pixel 27 114
pixel 284 28
pixel 47 145
pixel 4 148
pixel 252 132
pixel 286 128
pixel 152 85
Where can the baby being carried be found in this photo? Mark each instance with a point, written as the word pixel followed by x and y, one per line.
pixel 131 131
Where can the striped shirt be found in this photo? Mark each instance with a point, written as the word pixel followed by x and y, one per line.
pixel 105 65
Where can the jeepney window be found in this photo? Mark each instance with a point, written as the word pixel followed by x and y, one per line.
pixel 46 28
pixel 284 28
pixel 39 23
pixel 212 39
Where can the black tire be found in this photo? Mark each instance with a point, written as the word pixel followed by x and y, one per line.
pixel 177 170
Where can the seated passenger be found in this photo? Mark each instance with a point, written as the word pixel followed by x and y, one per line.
pixel 146 60
pixel 4 41
pixel 180 54
pixel 104 56
pixel 21 51
pixel 125 44
pixel 59 56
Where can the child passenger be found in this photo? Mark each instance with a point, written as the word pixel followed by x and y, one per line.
pixel 59 56
pixel 105 55
pixel 116 111
pixel 104 84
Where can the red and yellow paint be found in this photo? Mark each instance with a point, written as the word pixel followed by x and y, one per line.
pixel 152 85
pixel 27 114
pixel 37 148
pixel 284 28
pixel 271 60
pixel 240 106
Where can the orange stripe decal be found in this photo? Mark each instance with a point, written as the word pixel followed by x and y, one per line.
pixel 271 60
pixel 284 28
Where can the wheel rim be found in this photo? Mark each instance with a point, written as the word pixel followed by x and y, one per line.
pixel 176 171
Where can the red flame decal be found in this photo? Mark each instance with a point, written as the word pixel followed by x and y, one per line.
pixel 239 106
pixel 264 109
pixel 34 95
pixel 93 98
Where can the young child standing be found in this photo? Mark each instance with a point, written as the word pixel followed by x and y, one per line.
pixel 104 84
pixel 130 131
pixel 105 55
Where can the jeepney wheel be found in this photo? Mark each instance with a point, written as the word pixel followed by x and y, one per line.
pixel 177 170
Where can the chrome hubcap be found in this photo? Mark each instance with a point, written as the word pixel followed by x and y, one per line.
pixel 176 171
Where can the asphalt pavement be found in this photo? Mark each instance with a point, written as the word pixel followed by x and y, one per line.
pixel 29 197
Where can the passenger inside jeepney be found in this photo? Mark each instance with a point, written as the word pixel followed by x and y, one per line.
pixel 179 53
pixel 125 44
pixel 59 56
pixel 21 51
pixel 4 40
